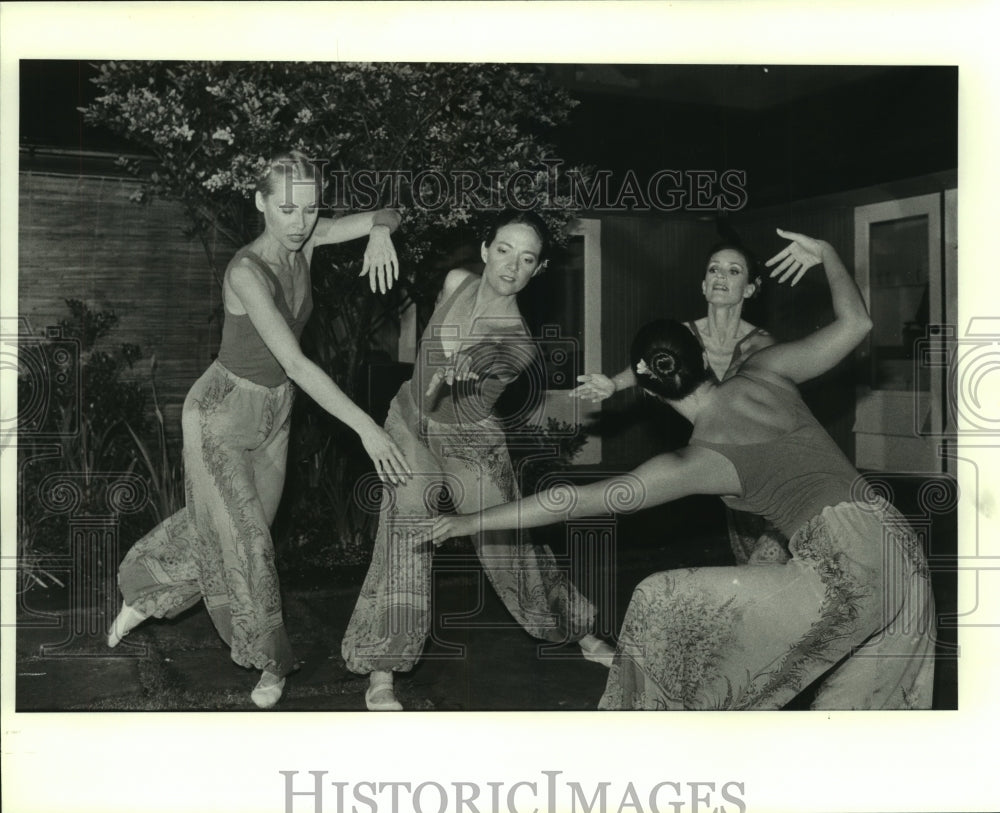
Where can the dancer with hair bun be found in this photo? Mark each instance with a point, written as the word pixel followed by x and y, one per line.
pixel 852 611
pixel 235 420
pixel 731 279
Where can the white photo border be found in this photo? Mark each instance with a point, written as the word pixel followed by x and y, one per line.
pixel 933 761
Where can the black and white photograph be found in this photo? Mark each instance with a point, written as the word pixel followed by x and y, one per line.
pixel 402 429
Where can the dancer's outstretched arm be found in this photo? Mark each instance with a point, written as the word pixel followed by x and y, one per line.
pixel 822 350
pixel 667 477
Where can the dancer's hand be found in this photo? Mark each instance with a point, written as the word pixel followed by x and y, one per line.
pixel 381 264
pixel 460 369
pixel 796 258
pixel 389 461
pixel 447 526
pixel 594 387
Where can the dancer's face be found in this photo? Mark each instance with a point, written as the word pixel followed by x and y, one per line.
pixel 727 278
pixel 290 218
pixel 512 258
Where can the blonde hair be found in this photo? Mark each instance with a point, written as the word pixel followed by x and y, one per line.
pixel 284 168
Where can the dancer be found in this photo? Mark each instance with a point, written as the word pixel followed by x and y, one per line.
pixel 475 344
pixel 235 424
pixel 730 280
pixel 853 607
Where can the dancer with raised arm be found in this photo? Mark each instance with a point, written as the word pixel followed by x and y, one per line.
pixel 235 423
pixel 475 344
pixel 731 278
pixel 852 609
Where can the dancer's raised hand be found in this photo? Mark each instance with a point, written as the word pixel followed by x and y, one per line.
pixel 796 258
pixel 380 263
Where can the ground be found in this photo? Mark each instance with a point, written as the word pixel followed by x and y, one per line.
pixel 483 663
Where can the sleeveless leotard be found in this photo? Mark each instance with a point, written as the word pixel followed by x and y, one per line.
pixel 242 350
pixel 793 477
pixel 503 351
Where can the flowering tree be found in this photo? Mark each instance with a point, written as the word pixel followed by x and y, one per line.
pixel 210 127
pixel 446 143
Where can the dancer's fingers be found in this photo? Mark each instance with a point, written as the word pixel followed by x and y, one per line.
pixel 797 266
pixel 464 371
pixel 442 529
pixel 435 382
pixel 385 472
pixel 399 461
pixel 422 541
pixel 794 236
pixel 779 256
pixel 785 263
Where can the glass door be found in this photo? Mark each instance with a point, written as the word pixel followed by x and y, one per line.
pixel 898 266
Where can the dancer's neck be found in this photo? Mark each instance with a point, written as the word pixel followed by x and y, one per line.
pixel 273 252
pixel 488 302
pixel 722 324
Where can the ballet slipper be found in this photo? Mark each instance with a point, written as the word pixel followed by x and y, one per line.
pixel 127 620
pixel 268 690
pixel 380 695
pixel 596 650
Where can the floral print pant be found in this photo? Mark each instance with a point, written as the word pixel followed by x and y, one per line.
pixel 853 606
pixel 392 618
pixel 218 547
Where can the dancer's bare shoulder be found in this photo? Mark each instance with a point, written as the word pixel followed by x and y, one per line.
pixel 757 338
pixel 452 280
pixel 240 278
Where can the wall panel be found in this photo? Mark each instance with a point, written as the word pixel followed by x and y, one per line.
pixel 81 237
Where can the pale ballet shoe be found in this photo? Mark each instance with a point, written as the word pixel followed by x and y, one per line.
pixel 268 690
pixel 127 620
pixel 382 698
pixel 380 695
pixel 596 650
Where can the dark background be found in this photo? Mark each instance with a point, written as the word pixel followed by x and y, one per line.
pixel 798 131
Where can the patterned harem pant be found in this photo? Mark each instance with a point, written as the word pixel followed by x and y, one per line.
pixel 852 607
pixel 392 617
pixel 218 547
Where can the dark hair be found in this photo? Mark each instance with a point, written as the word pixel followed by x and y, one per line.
pixel 673 357
pixel 527 218
pixel 274 177
pixel 754 276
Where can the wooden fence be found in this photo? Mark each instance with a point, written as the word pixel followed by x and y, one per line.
pixel 82 237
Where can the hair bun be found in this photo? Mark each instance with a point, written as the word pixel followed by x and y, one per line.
pixel 663 364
